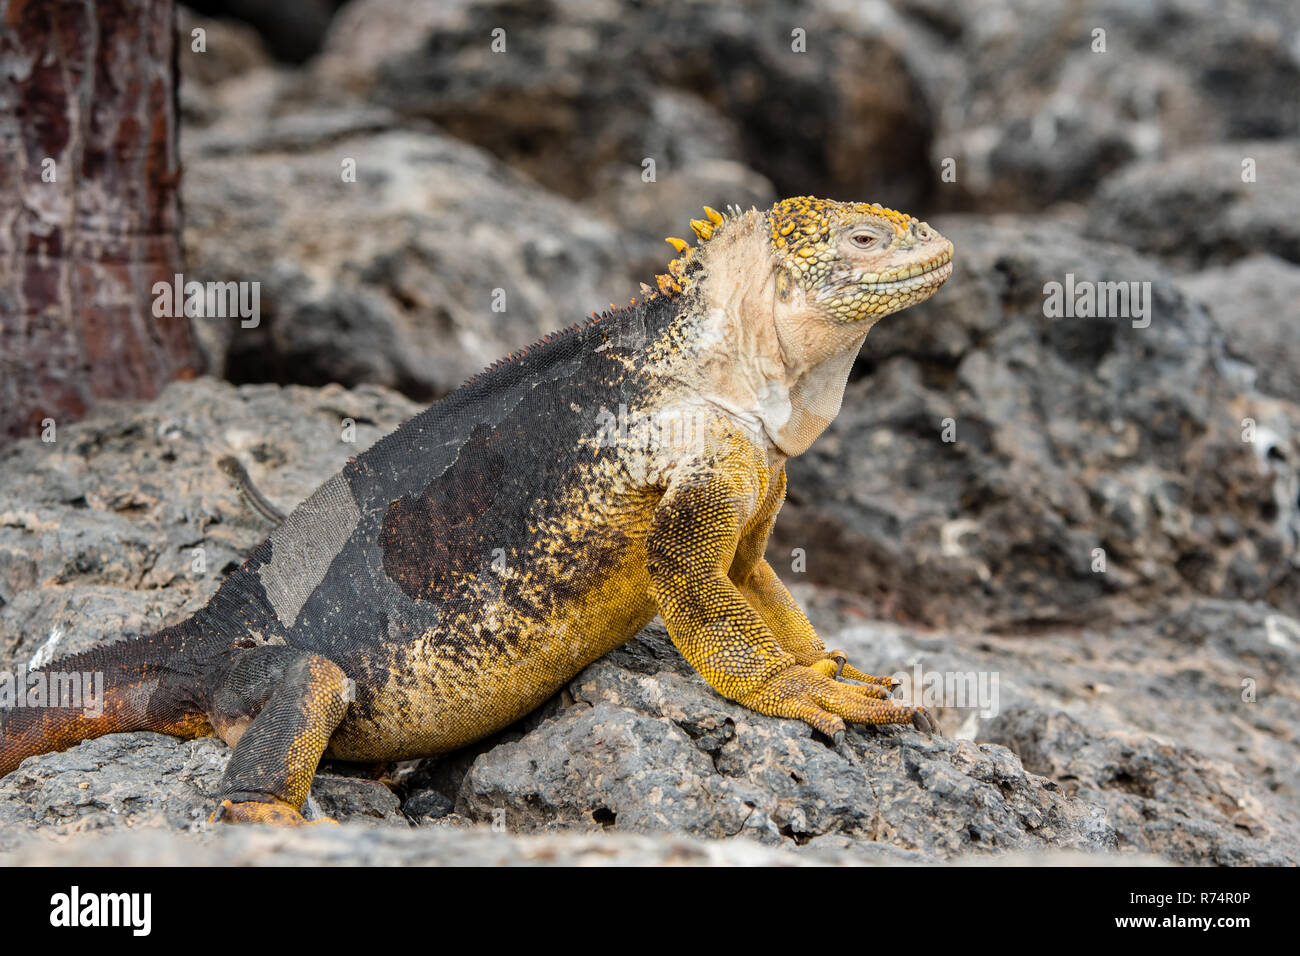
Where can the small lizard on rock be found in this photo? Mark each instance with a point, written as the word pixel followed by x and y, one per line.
pixel 458 573
pixel 247 491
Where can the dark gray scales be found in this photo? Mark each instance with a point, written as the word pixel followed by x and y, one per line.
pixel 370 560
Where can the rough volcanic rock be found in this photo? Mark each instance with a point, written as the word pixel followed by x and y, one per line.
pixel 145 780
pixel 646 745
pixel 1195 209
pixel 820 102
pixel 697 162
pixel 1031 103
pixel 1254 301
pixel 125 524
pixel 433 263
pixel 1032 111
pixel 1159 797
pixel 1183 725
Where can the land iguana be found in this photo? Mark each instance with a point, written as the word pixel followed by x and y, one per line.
pixel 458 573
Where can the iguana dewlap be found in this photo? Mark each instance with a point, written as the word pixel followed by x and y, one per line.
pixel 461 570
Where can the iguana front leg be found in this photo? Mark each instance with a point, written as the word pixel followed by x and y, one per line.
pixel 765 592
pixel 692 543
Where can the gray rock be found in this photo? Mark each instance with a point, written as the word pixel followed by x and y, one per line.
pixel 1254 302
pixel 434 263
pixel 1159 797
pixel 648 746
pixel 697 162
pixel 579 84
pixel 1194 209
pixel 122 780
pixel 1197 703
pixel 883 94
pixel 357 845
pixel 143 780
pixel 351 799
pixel 1032 112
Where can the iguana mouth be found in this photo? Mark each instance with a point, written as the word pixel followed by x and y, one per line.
pixel 923 275
pixel 934 271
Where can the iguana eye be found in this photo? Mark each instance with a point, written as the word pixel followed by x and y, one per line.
pixel 863 240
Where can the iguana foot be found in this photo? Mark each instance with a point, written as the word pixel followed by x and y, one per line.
pixel 836 666
pixel 275 812
pixel 812 696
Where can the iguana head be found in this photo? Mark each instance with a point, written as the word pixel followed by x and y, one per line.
pixel 853 261
pixel 789 294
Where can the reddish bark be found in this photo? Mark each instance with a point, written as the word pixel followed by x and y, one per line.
pixel 91 86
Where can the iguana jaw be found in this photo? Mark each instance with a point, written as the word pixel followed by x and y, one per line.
pixel 883 293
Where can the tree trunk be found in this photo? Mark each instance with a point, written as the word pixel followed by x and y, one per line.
pixel 89 207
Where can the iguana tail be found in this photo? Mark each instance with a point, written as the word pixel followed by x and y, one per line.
pixel 140 684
